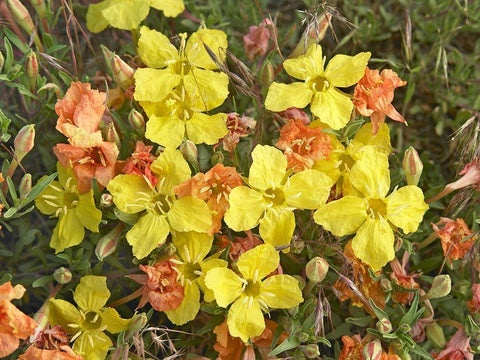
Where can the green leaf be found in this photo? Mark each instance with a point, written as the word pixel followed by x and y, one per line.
pixel 291 342
pixel 359 321
pixel 12 191
pixel 379 312
pixel 44 280
pixel 421 352
pixel 15 40
pixel 4 123
pixel 37 190
pixel 9 58
pixel 412 314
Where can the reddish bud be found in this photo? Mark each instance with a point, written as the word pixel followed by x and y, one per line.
pixel 106 201
pixel 136 119
pixel 31 65
pixel 111 135
pixel 21 15
pixel 316 269
pixel 62 275
pixel 108 244
pixel 311 351
pixel 137 323
pixel 384 326
pixel 122 72
pixel 373 350
pixel 189 151
pixel 25 186
pixel 24 141
pixel 412 166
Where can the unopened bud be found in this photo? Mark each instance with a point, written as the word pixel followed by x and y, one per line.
pixel 14 72
pixel 129 219
pixel 2 61
pixel 311 351
pixel 302 337
pixel 312 36
pixel 373 350
pixel 217 158
pixel 441 287
pixel 106 201
pixel 137 323
pixel 386 285
pixel 298 245
pixel 435 334
pixel 24 141
pixel 25 186
pixel 21 15
pixel 404 328
pixel 108 244
pixel 384 326
pixel 62 275
pixel 267 73
pixel 189 151
pixel 136 119
pixel 412 166
pixel 31 65
pixel 111 135
pixel 122 72
pixel 316 269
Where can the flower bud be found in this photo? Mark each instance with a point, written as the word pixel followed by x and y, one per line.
pixel 31 65
pixel 441 287
pixel 62 275
pixel 412 166
pixel 24 141
pixel 129 219
pixel 21 15
pixel 267 74
pixel 25 186
pixel 108 244
pixel 373 350
pixel 435 334
pixel 404 328
pixel 384 326
pixel 190 152
pixel 122 72
pixel 311 351
pixel 106 201
pixel 217 158
pixel 386 284
pixel 15 71
pixel 137 323
pixel 298 245
pixel 111 135
pixel 316 269
pixel 2 61
pixel 136 119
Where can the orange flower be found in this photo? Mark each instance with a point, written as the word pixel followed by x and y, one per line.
pixel 474 304
pixel 240 245
pixel 231 348
pixel 96 162
pixel 80 112
pixel 237 127
pixel 403 280
pixel 373 96
pixel 139 163
pixel 213 187
pixel 365 286
pixel 457 348
pixel 14 324
pixel 256 41
pixel 160 286
pixel 453 235
pixel 303 145
pixel 352 348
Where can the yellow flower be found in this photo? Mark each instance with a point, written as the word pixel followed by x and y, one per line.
pixel 127 14
pixel 88 322
pixel 75 211
pixel 342 160
pixel 371 214
pixel 319 88
pixel 272 196
pixel 192 248
pixel 249 294
pixel 163 211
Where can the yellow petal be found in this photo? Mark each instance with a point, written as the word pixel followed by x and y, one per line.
pixel 153 84
pixel 95 20
pixel 171 8
pixel 306 66
pixel 281 292
pixel 68 232
pixel 308 189
pixel 192 246
pixel 92 293
pixel 86 212
pixel 168 131
pixel 190 214
pixel 225 284
pixel 333 107
pixel 283 96
pixel 92 345
pixel 206 266
pixel 258 262
pixel 131 194
pixel 208 129
pixel 246 208
pixel 370 174
pixel 51 198
pixel 155 49
pixel 245 319
pixel 374 243
pixel 171 169
pixel 112 320
pixel 207 89
pixel 150 231
pixel 215 40
pixel 66 176
pixel 364 136
pixel 342 217
pixel 345 71
pixel 160 109
pixel 406 207
pixel 126 14
pixel 268 168
pixel 277 226
pixel 61 312
pixel 189 306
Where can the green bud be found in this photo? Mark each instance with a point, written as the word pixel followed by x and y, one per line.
pixel 311 351
pixel 386 284
pixel 137 323
pixel 106 201
pixel 412 166
pixel 136 120
pixel 21 15
pixel 190 152
pixel 122 72
pixel 129 219
pixel 404 328
pixel 62 275
pixel 25 186
pixel 435 334
pixel 373 350
pixel 31 66
pixel 108 244
pixel 316 269
pixel 217 158
pixel 267 73
pixel 441 287
pixel 302 337
pixel 2 61
pixel 111 135
pixel 297 245
pixel 24 141
pixel 384 326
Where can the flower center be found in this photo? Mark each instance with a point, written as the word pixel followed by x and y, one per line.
pixel 191 271
pixel 92 321
pixel 347 162
pixel 274 196
pixel 181 67
pixel 161 204
pixel 70 200
pixel 377 208
pixel 320 83
pixel 252 288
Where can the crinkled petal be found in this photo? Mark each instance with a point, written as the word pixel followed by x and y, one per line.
pixel 131 193
pixel 96 22
pixel 207 89
pixel 189 307
pixel 225 284
pixel 61 312
pixel 370 174
pixel 171 169
pixel 342 217
pixel 168 131
pixel 86 212
pixel 206 266
pixel 345 71
pixel 154 84
pixel 268 168
pixel 126 14
pixel 112 320
pixel 306 66
pixel 364 136
pixel 171 8
pixel 281 292
pixel 92 293
pixel 192 246
pixel 68 232
pixel 215 40
pixel 246 208
pixel 245 319
pixel 190 214
pixel 406 207
pixel 155 49
pixel 208 129
pixel 333 107
pixel 277 226
pixel 150 231
pixel 283 96
pixel 8 344
pixel 93 345
pixel 258 262
pixel 308 189
pixel 45 203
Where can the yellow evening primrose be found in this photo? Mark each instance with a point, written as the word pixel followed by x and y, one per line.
pixel 127 14
pixel 319 88
pixel 273 194
pixel 162 211
pixel 249 294
pixel 342 160
pixel 87 323
pixel 371 214
pixel 191 265
pixel 75 211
